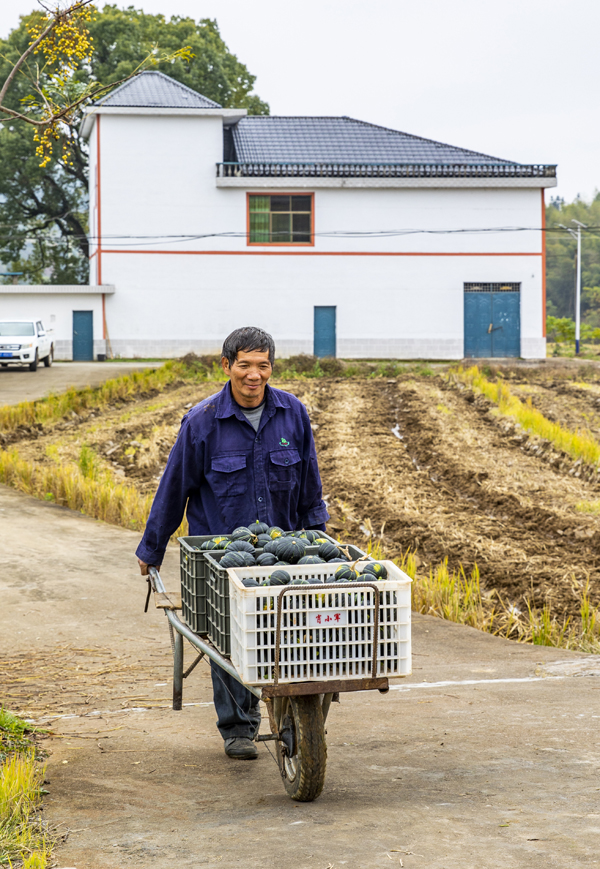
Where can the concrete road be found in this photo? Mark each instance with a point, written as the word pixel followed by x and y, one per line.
pixel 487 756
pixel 21 384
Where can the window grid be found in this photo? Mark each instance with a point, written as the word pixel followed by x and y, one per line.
pixel 492 288
pixel 280 219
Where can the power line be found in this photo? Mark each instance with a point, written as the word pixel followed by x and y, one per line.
pixel 359 234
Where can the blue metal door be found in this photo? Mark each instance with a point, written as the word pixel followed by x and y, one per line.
pixel 506 324
pixel 83 336
pixel 324 338
pixel 493 323
pixel 478 316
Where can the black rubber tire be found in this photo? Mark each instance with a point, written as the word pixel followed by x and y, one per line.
pixel 48 359
pixel 33 365
pixel 304 774
pixel 4 364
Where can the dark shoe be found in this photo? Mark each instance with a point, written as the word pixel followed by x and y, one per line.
pixel 241 748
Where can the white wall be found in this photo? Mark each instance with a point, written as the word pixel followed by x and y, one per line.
pixel 399 297
pixel 55 310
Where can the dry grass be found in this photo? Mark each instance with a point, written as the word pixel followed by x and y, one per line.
pixel 580 445
pixel 85 488
pixel 588 507
pixel 23 835
pixel 459 598
pixel 55 407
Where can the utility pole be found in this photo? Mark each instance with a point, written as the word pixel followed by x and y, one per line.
pixel 577 235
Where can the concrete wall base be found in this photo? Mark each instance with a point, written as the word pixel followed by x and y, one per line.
pixel 347 348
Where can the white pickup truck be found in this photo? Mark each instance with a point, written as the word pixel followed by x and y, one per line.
pixel 25 342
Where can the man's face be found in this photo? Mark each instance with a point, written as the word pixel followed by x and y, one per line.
pixel 249 374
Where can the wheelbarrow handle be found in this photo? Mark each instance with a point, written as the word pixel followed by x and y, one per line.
pixel 209 651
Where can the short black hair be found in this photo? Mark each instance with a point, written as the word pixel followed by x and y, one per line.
pixel 247 339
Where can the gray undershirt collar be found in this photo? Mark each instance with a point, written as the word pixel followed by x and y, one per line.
pixel 253 414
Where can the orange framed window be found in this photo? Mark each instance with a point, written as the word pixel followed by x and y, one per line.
pixel 281 218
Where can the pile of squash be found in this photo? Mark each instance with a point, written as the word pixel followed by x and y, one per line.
pixel 344 573
pixel 259 545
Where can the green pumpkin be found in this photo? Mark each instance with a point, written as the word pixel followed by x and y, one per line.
pixel 239 546
pixel 280 577
pixel 311 559
pixel 328 551
pixel 233 559
pixel 376 569
pixel 242 533
pixel 274 532
pixel 312 536
pixel 271 546
pixel 266 581
pixel 208 544
pixel 284 563
pixel 300 581
pixel 345 574
pixel 258 528
pixel 265 559
pixel 220 542
pixel 290 549
pixel 262 540
pixel 250 582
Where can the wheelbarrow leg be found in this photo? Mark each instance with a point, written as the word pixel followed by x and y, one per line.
pixel 177 671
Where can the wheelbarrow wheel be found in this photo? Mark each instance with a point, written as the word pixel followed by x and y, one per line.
pixel 301 751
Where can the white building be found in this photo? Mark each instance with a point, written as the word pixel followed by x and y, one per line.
pixel 337 236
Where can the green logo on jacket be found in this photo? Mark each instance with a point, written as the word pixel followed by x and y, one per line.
pixel 284 443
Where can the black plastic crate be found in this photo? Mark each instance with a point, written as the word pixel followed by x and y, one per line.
pixel 217 593
pixel 193 572
pixel 217 604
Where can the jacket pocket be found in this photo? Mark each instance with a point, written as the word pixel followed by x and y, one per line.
pixel 229 475
pixel 284 469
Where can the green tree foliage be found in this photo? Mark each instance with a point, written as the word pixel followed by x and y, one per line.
pixel 561 252
pixel 43 210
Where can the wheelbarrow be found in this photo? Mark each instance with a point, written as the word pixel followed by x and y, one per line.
pixel 298 710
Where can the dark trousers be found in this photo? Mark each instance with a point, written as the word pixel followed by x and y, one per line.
pixel 237 708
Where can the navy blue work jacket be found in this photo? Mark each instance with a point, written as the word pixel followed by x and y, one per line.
pixel 229 475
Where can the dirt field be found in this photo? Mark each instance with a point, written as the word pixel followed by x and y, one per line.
pixel 414 461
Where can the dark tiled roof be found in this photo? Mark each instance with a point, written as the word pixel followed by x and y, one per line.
pixel 153 89
pixel 272 139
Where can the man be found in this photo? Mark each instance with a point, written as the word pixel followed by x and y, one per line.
pixel 243 455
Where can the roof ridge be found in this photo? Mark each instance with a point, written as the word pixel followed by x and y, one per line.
pixel 156 72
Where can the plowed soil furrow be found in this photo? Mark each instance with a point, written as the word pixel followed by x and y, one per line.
pixel 453 486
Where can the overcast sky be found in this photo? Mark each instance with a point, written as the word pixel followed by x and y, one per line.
pixel 518 80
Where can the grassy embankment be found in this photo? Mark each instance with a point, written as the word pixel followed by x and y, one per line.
pixel 25 840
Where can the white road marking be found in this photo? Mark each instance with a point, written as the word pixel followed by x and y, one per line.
pixel 448 684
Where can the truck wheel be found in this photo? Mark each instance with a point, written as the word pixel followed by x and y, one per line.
pixel 33 365
pixel 48 359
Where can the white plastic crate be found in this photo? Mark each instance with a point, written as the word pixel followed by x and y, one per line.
pixel 326 631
